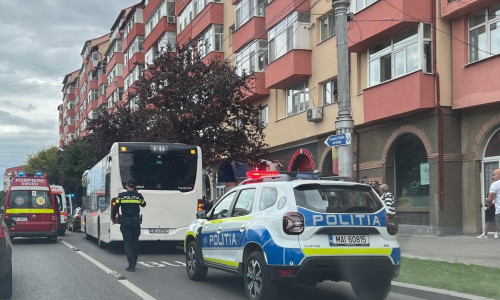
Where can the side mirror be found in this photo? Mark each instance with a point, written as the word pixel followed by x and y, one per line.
pixel 202 214
pixel 10 222
pixel 2 208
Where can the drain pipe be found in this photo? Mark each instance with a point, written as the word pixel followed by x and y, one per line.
pixel 439 109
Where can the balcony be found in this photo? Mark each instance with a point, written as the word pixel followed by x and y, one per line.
pixel 117 58
pixel 278 10
pixel 111 88
pixel 288 69
pixel 92 85
pixel 213 13
pixel 412 92
pixel 157 32
pixel 257 87
pixel 101 100
pixel 137 58
pixel 214 55
pixel 396 12
pixel 462 8
pixel 137 29
pixel 149 8
pixel 103 79
pixel 180 5
pixel 249 31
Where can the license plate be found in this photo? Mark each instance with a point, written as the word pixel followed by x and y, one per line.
pixel 20 219
pixel 158 230
pixel 349 240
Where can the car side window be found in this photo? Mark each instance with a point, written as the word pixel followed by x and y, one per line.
pixel 221 210
pixel 268 198
pixel 244 203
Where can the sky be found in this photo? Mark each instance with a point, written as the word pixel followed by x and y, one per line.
pixel 40 42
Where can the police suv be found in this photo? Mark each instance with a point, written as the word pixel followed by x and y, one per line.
pixel 274 228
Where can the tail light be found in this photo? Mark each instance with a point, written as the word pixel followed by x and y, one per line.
pixel 293 223
pixel 391 223
pixel 77 217
pixel 200 204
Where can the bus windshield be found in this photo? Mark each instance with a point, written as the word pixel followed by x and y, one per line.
pixel 158 171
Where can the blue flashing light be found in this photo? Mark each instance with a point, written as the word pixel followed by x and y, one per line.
pixel 39 173
pixel 20 174
pixel 72 195
pixel 313 176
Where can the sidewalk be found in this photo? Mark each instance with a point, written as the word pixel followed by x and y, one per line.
pixel 457 249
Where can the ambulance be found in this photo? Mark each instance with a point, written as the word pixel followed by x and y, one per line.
pixel 64 206
pixel 31 204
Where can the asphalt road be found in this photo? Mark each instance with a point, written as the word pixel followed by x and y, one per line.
pixel 44 270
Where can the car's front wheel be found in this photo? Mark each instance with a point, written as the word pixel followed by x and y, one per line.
pixel 258 284
pixel 372 288
pixel 6 284
pixel 195 270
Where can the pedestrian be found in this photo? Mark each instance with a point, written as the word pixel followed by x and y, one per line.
pixel 489 219
pixel 130 223
pixel 387 197
pixel 494 198
pixel 375 185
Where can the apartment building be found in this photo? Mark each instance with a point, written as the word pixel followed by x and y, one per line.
pixel 423 88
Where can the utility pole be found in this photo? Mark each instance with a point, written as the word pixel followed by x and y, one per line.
pixel 344 123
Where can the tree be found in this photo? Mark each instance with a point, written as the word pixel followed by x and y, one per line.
pixel 45 161
pixel 72 161
pixel 183 99
pixel 3 196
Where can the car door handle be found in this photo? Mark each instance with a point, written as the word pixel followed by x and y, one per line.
pixel 243 227
pixel 219 230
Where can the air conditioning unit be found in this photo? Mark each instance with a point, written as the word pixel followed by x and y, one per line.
pixel 315 114
pixel 171 19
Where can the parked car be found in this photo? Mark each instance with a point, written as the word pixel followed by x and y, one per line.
pixel 5 258
pixel 75 220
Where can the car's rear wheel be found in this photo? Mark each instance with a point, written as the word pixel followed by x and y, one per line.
pixel 195 270
pixel 257 282
pixel 6 284
pixel 371 288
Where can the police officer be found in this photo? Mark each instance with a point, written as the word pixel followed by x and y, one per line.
pixel 130 225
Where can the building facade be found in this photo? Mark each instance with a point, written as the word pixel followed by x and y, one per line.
pixel 424 93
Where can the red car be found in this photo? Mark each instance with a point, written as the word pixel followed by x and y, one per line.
pixel 31 204
pixel 5 259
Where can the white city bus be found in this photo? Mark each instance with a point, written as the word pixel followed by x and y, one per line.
pixel 169 176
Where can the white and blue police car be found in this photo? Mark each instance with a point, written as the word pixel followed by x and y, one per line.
pixel 274 228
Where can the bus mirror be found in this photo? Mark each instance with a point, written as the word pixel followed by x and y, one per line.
pixel 2 208
pixel 202 214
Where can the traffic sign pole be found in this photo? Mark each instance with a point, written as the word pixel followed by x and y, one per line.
pixel 344 123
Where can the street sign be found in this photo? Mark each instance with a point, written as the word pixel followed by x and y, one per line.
pixel 338 140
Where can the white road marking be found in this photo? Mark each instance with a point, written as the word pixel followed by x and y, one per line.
pixel 125 282
pixel 169 264
pixel 180 263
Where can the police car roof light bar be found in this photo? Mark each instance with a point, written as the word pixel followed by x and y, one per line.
pixel 338 178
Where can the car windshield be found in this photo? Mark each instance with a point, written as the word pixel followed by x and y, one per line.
pixel 337 198
pixel 29 199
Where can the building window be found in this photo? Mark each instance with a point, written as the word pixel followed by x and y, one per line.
pixel 166 8
pixel 246 9
pixel 210 40
pixel 329 89
pixel 297 98
pixel 93 95
pixel 264 116
pixel 191 11
pixel 484 33
pixel 357 5
pixel 252 58
pixel 327 28
pixel 400 55
pixel 167 42
pixel 115 47
pixel 291 33
pixel 136 46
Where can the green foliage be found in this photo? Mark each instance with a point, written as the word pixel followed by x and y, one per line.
pixel 72 161
pixel 45 161
pixel 3 195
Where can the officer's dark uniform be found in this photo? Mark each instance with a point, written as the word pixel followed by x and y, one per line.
pixel 129 220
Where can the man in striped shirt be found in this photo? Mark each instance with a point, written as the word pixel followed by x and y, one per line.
pixel 387 197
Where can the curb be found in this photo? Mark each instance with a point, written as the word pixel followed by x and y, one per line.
pixel 431 293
